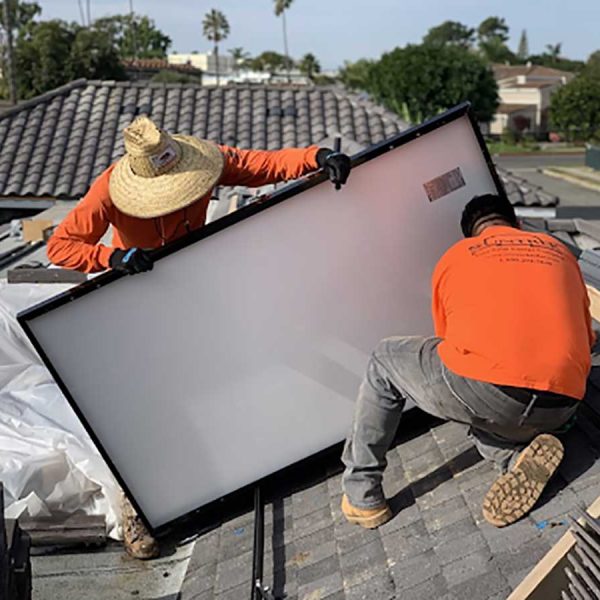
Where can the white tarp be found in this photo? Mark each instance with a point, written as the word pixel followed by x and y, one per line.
pixel 48 463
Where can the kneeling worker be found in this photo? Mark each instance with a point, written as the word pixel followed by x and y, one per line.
pixel 157 192
pixel 510 358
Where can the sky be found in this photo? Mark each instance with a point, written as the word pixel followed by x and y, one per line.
pixel 340 30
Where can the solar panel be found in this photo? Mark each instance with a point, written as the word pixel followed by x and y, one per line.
pixel 242 351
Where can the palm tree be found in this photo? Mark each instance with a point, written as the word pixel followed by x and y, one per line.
pixel 216 29
pixel 309 65
pixel 240 57
pixel 81 13
pixel 554 50
pixel 280 7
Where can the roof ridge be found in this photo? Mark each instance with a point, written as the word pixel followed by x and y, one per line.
pixel 143 84
pixel 36 100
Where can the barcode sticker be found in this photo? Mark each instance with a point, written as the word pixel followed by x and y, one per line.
pixel 444 184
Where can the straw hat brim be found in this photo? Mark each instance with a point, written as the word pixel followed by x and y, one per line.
pixel 197 172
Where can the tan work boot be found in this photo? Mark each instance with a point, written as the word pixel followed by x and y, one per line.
pixel 369 518
pixel 138 541
pixel 515 493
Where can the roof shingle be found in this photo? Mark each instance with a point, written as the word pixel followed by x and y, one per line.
pixel 58 143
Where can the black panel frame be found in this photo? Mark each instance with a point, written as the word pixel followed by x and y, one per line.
pixel 214 511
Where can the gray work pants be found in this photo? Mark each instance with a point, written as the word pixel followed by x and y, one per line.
pixel 404 368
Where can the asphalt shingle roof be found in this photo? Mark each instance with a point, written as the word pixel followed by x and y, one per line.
pixel 56 144
pixel 437 545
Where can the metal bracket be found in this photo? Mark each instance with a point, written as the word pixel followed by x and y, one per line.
pixel 259 590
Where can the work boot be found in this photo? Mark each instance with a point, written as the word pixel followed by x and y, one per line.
pixel 515 493
pixel 138 541
pixel 369 518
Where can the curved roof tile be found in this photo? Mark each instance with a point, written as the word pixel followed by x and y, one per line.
pixel 57 143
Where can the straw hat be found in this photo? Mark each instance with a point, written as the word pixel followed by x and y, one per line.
pixel 160 173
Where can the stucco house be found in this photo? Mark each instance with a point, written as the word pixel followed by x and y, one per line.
pixel 525 92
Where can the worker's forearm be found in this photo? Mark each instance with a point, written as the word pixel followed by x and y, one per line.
pixel 254 168
pixel 291 163
pixel 78 255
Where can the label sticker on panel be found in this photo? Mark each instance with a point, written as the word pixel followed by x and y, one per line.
pixel 444 184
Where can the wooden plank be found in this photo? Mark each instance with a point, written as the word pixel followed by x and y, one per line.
pixel 71 522
pixel 74 530
pixel 44 275
pixel 548 577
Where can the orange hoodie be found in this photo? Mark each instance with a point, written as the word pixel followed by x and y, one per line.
pixel 512 309
pixel 74 244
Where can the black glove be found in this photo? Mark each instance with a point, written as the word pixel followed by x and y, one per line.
pixel 336 165
pixel 131 261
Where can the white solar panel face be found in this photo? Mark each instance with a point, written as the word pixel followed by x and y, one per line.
pixel 243 352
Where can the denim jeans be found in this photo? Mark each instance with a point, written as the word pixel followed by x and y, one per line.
pixel 404 368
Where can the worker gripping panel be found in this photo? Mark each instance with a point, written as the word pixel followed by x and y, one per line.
pixel 242 351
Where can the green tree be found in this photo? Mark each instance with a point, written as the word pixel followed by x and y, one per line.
pixel 216 29
pixel 309 66
pixel 93 55
pixel 42 57
pixel 134 36
pixel 523 51
pixel 592 66
pixel 51 53
pixel 561 63
pixel 575 108
pixel 452 33
pixel 238 54
pixel 356 75
pixel 167 76
pixel 495 51
pixel 493 28
pixel 240 57
pixel 421 81
pixel 21 14
pixel 554 50
pixel 492 34
pixel 280 7
pixel 272 62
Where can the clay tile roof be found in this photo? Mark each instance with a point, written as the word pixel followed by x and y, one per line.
pixel 56 144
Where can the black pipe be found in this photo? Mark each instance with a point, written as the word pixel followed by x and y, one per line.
pixel 259 545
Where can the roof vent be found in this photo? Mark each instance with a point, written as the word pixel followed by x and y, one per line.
pixel 134 110
pixel 276 111
pixel 128 108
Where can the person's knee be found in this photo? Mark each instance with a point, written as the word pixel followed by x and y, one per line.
pixel 385 348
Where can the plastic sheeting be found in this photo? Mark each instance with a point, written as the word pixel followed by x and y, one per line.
pixel 48 463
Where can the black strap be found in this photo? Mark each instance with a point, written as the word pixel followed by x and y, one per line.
pixel 544 399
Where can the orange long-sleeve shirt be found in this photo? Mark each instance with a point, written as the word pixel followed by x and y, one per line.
pixel 512 309
pixel 74 244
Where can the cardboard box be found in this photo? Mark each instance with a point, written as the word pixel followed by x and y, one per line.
pixel 33 229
